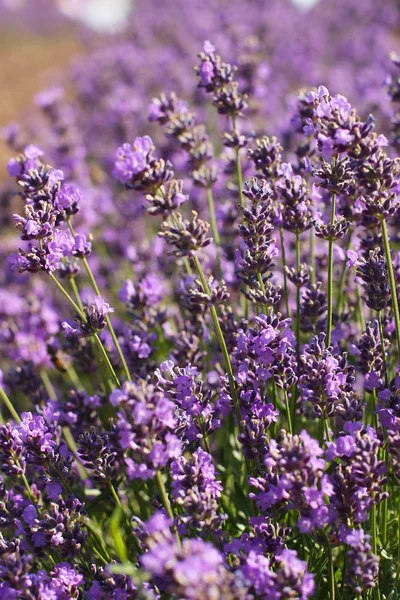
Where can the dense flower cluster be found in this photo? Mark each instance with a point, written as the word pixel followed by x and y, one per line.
pixel 200 386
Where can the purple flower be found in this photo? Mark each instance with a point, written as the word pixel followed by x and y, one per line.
pixel 130 160
pixel 196 490
pixel 146 428
pixel 294 479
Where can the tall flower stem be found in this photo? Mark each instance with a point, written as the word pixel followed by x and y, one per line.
pixel 51 392
pixel 214 228
pixel 339 298
pixel 312 255
pixel 298 295
pixel 91 340
pixel 332 584
pixel 9 406
pixel 165 500
pixel 382 340
pixel 96 337
pixel 285 284
pixel 374 530
pixel 239 173
pixel 392 282
pixel 76 292
pixel 108 320
pixel 330 277
pixel 288 412
pixel 221 341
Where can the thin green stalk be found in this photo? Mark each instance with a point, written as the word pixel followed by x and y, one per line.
pixel 17 419
pixel 288 411
pixel 385 514
pixel 298 296
pixel 273 426
pixel 344 569
pixel 239 178
pixel 326 428
pixel 312 255
pixel 108 320
pixel 51 392
pixel 244 301
pixel 96 337
pixel 339 297
pixel 115 495
pixel 214 227
pixel 360 314
pixel 74 377
pixel 165 500
pixel 76 292
pixel 26 484
pixel 109 324
pixel 221 342
pixel 239 173
pixel 382 340
pixel 392 282
pixel 107 360
pixel 374 528
pixel 330 278
pixel 9 406
pixel 204 434
pixel 285 284
pixel 332 583
pixel 184 258
pixel 398 553
pixel 67 296
pixel 91 340
pixel 69 438
pixel 97 537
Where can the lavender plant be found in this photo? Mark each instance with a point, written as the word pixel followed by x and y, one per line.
pixel 200 331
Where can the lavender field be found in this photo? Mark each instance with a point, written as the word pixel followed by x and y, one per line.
pixel 199 300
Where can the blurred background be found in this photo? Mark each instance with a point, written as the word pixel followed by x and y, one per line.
pixel 280 45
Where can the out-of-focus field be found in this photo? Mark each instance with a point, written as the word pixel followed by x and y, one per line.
pixel 26 65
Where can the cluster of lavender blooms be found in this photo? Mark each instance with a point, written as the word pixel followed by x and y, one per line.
pixel 199 322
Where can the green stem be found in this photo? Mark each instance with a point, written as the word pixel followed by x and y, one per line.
pixel 382 338
pixel 221 341
pixel 68 297
pixel 9 406
pixel 374 530
pixel 392 282
pixel 214 228
pixel 288 412
pixel 285 284
pixel 374 527
pixel 69 438
pixel 74 377
pixel 107 360
pixel 96 337
pixel 326 428
pixel 91 340
pixel 312 255
pixel 330 278
pixel 26 484
pixel 239 174
pixel 339 298
pixel 204 434
pixel 332 584
pixel 398 553
pixel 115 495
pixel 76 292
pixel 51 392
pixel 298 296
pixel 165 500
pixel 108 320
